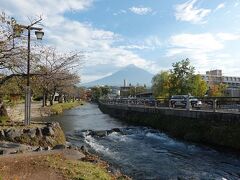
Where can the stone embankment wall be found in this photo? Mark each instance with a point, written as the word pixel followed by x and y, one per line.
pixel 40 134
pixel 214 128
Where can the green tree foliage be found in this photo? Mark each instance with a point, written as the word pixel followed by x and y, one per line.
pixel 105 90
pixel 199 86
pixel 98 92
pixel 181 77
pixel 160 84
pixel 179 80
pixel 134 90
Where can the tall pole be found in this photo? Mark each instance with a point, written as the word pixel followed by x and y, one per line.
pixel 28 89
pixel 39 35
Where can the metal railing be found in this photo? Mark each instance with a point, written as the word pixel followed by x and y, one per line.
pixel 231 104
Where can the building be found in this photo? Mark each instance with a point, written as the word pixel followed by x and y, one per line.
pixel 114 92
pixel 232 82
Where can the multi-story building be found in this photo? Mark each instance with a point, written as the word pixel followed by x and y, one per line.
pixel 232 82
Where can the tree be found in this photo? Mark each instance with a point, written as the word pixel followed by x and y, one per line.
pixel 99 91
pixel 134 90
pixel 105 90
pixel 96 93
pixel 161 84
pixel 12 51
pixel 180 77
pixel 55 74
pixel 217 90
pixel 12 87
pixel 179 80
pixel 199 86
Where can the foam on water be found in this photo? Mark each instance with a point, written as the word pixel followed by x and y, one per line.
pixel 97 147
pixel 116 137
pixel 145 153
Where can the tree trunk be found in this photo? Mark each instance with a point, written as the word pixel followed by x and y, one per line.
pixel 52 99
pixel 60 98
pixel 44 99
pixel 3 111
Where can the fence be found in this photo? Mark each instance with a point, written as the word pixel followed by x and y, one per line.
pixel 207 103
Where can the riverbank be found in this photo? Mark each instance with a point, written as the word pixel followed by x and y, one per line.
pixel 67 163
pixel 39 151
pixel 16 112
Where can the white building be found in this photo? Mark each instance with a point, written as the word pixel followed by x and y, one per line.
pixel 232 82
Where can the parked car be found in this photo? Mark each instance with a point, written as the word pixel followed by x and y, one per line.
pixel 181 101
pixel 150 102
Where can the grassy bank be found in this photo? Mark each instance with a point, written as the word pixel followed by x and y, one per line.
pixel 60 107
pixel 54 166
pixel 76 169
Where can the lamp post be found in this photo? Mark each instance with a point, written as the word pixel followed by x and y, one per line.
pixel 18 29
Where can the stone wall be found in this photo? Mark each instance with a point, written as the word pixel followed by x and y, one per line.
pixel 214 128
pixel 40 134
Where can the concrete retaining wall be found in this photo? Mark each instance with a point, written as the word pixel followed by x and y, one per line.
pixel 215 128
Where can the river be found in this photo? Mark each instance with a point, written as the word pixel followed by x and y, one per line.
pixel 145 153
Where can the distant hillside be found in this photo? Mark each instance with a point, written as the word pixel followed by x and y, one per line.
pixel 131 73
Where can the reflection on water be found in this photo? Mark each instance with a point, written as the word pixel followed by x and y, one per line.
pixel 85 117
pixel 144 153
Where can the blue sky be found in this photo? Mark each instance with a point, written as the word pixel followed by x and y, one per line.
pixel 152 34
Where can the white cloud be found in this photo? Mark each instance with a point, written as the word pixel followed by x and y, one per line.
pixel 228 36
pixel 220 6
pixel 198 47
pixel 149 43
pixel 188 12
pixel 141 10
pixel 66 34
pixel 236 4
pixel 206 51
pixel 122 11
pixel 195 42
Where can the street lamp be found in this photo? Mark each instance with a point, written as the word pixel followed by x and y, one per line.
pixel 18 29
pixel 39 35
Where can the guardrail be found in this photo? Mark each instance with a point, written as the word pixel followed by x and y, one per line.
pixel 231 104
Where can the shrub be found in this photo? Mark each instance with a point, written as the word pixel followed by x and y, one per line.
pixel 60 107
pixel 3 119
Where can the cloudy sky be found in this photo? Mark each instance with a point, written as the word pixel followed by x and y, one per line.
pixel 151 34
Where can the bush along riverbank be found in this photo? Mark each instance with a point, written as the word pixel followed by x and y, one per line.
pixel 60 107
pixel 212 130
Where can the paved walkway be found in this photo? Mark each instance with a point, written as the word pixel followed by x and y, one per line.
pixel 16 113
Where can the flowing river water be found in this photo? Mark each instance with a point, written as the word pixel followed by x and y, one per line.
pixel 145 153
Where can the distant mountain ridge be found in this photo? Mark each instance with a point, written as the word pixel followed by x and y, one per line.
pixel 131 73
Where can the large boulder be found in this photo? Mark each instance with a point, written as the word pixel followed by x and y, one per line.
pixel 2 134
pixel 47 131
pixel 11 134
pixel 116 130
pixel 98 133
pixel 59 146
pixel 30 132
pixel 40 135
pixel 3 151
pixel 3 110
pixel 39 132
